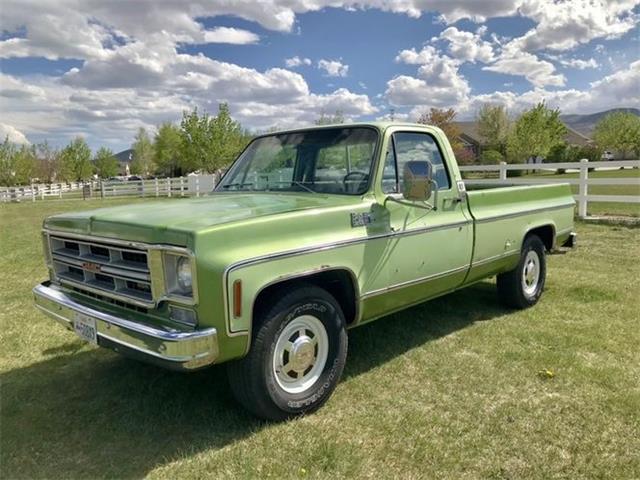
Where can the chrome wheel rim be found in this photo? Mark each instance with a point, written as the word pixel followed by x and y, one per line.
pixel 300 354
pixel 531 273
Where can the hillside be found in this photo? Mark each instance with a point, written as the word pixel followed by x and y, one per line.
pixel 585 124
pixel 124 156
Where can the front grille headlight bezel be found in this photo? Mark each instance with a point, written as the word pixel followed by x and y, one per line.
pixel 162 285
pixel 179 275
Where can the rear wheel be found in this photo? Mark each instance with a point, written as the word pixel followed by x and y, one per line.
pixel 297 356
pixel 523 286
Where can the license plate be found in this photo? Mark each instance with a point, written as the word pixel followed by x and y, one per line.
pixel 85 328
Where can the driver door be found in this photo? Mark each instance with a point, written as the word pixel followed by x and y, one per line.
pixel 430 249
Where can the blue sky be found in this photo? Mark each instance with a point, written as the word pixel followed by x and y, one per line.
pixel 105 69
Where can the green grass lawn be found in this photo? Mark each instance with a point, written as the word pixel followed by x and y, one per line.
pixel 451 389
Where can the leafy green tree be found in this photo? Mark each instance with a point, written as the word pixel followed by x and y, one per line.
pixel 197 143
pixel 493 125
pixel 619 131
pixel 445 121
pixel 18 164
pixel 324 119
pixel 106 163
pixel 75 161
pixel 143 154
pixel 7 162
pixel 48 160
pixel 167 146
pixel 25 164
pixel 535 133
pixel 228 138
pixel 593 153
pixel 210 143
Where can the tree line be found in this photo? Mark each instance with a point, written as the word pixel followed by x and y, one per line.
pixel 201 142
pixel 206 143
pixel 537 132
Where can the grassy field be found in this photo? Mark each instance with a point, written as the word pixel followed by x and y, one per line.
pixel 458 388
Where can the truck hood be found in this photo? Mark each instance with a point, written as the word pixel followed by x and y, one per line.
pixel 174 221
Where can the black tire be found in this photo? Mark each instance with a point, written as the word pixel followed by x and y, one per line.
pixel 513 290
pixel 256 381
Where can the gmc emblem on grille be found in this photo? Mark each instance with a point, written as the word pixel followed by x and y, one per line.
pixel 92 267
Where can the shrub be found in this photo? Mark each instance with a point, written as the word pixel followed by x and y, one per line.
pixel 464 156
pixel 491 157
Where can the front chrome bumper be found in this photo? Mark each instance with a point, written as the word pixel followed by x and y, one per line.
pixel 175 349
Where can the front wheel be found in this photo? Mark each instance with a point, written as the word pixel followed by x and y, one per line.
pixel 523 286
pixel 298 353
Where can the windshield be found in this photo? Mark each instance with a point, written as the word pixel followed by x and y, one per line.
pixel 329 160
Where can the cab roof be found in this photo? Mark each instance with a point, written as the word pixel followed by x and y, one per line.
pixel 381 126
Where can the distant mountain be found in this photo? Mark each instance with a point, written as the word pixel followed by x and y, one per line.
pixel 585 124
pixel 125 156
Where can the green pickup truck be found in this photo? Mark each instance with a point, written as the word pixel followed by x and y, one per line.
pixel 311 232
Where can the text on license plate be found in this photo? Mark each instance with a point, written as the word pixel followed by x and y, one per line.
pixel 85 327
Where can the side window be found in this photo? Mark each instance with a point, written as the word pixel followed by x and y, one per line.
pixel 420 146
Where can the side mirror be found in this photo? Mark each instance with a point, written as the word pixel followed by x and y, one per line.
pixel 417 180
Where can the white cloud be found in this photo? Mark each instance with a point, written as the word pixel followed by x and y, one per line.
pixel 467 46
pixel 439 82
pixel 132 73
pixel 11 87
pixel 333 68
pixel 619 89
pixel 12 134
pixel 412 57
pixel 578 63
pixel 68 29
pixel 513 61
pixel 404 90
pixel 46 108
pixel 235 36
pixel 562 25
pixel 296 61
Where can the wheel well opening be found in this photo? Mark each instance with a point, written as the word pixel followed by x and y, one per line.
pixel 339 283
pixel 546 233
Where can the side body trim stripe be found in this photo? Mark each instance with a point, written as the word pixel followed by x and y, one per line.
pixel 352 241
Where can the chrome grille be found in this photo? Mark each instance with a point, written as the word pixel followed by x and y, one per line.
pixel 120 272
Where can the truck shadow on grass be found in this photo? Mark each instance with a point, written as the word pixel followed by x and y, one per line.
pixel 93 414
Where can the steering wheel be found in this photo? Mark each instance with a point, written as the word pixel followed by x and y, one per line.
pixel 347 181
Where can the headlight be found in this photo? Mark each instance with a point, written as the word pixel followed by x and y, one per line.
pixel 184 273
pixel 178 274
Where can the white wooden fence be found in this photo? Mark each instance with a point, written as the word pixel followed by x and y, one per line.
pixel 195 185
pixel 583 181
pixel 42 191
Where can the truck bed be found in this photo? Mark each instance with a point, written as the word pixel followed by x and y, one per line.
pixel 504 215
